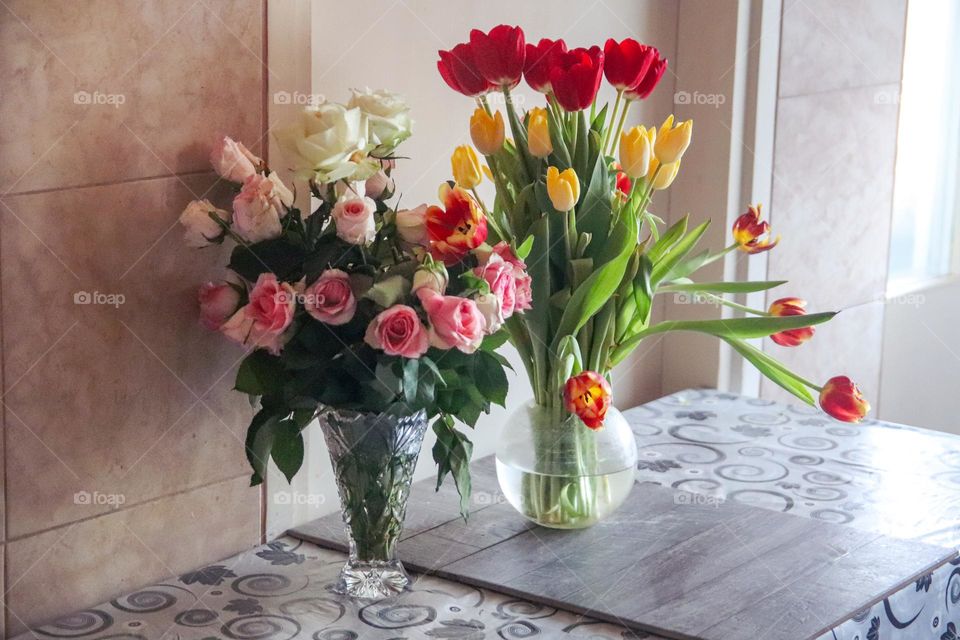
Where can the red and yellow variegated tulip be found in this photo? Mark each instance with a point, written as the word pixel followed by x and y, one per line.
pixel 790 307
pixel 841 398
pixel 457 228
pixel 751 234
pixel 587 395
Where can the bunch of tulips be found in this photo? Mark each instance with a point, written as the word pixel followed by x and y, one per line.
pixel 574 187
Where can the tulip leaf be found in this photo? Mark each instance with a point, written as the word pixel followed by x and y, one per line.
pixel 596 290
pixel 524 249
pixel 668 239
pixel 595 210
pixel 724 287
pixel 677 253
pixel 537 318
pixel 773 369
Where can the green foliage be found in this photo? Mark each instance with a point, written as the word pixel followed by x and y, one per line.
pixel 452 453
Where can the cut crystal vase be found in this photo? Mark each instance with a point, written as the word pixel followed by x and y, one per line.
pixel 373 457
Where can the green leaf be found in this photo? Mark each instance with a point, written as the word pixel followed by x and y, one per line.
pixel 773 369
pixel 599 119
pixel 275 256
pixel 595 210
pixel 287 449
pixel 668 239
pixel 452 453
pixel 677 253
pixel 724 287
pixel 491 380
pixel 430 364
pixel 259 443
pixel 643 289
pixel 411 378
pixel 260 374
pixel 494 341
pixel 524 249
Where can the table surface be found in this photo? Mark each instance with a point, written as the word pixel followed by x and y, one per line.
pixel 876 477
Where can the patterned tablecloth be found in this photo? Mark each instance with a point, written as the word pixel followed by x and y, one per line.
pixel 891 479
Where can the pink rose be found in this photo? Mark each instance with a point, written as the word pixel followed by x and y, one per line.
pixel 524 294
pixel 217 303
pixel 353 216
pixel 499 274
pixel 233 161
pixel 330 299
pixel 492 311
pixel 398 332
pixel 412 225
pixel 377 184
pixel 259 206
pixel 263 321
pixel 454 322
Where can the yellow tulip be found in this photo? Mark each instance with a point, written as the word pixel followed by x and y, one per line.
pixel 635 152
pixel 665 178
pixel 466 167
pixel 563 188
pixel 538 133
pixel 486 131
pixel 672 140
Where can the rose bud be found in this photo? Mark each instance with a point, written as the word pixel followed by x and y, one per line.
pixel 539 61
pixel 330 299
pixel 575 77
pixel 841 398
pixel 378 184
pixel 648 81
pixel 635 152
pixel 587 396
pixel 672 140
pixel 412 225
pixel 625 63
pixel 259 207
pixel 749 232
pixel 538 133
pixel 200 230
pixel 487 131
pixel 499 54
pixel 398 331
pixel 563 187
pixel 790 307
pixel 431 275
pixel 457 228
pixel 458 68
pixel 233 161
pixel 466 167
pixel 217 303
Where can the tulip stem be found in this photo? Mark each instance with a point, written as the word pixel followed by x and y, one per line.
pixel 613 118
pixel 735 305
pixel 623 119
pixel 482 101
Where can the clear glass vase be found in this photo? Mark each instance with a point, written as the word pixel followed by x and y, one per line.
pixel 559 473
pixel 373 456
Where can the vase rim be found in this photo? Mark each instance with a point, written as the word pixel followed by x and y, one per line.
pixel 325 408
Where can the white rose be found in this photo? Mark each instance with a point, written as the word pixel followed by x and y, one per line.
pixel 433 277
pixel 200 229
pixel 353 217
pixel 233 161
pixel 259 206
pixel 412 225
pixel 489 306
pixel 388 117
pixel 328 143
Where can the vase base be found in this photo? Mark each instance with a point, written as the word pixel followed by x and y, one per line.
pixel 372 580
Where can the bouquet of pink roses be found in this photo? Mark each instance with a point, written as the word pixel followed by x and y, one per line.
pixel 344 307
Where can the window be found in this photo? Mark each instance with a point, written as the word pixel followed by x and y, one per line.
pixel 925 199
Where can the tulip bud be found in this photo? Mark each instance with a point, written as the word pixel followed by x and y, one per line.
pixel 487 131
pixel 664 178
pixel 635 152
pixel 466 167
pixel 538 133
pixel 785 307
pixel 672 140
pixel 841 398
pixel 563 188
pixel 587 395
pixel 749 232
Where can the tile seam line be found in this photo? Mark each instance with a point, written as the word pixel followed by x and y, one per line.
pixel 107 183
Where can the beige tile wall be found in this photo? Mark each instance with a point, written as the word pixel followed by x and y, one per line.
pixel 111 109
pixel 833 175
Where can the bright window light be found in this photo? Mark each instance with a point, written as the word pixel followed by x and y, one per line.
pixel 925 199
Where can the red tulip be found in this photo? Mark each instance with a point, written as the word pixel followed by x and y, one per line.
pixel 841 398
pixel 587 395
pixel 458 68
pixel 626 63
pixel 540 60
pixel 499 54
pixel 749 232
pixel 576 77
pixel 790 307
pixel 648 81
pixel 623 180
